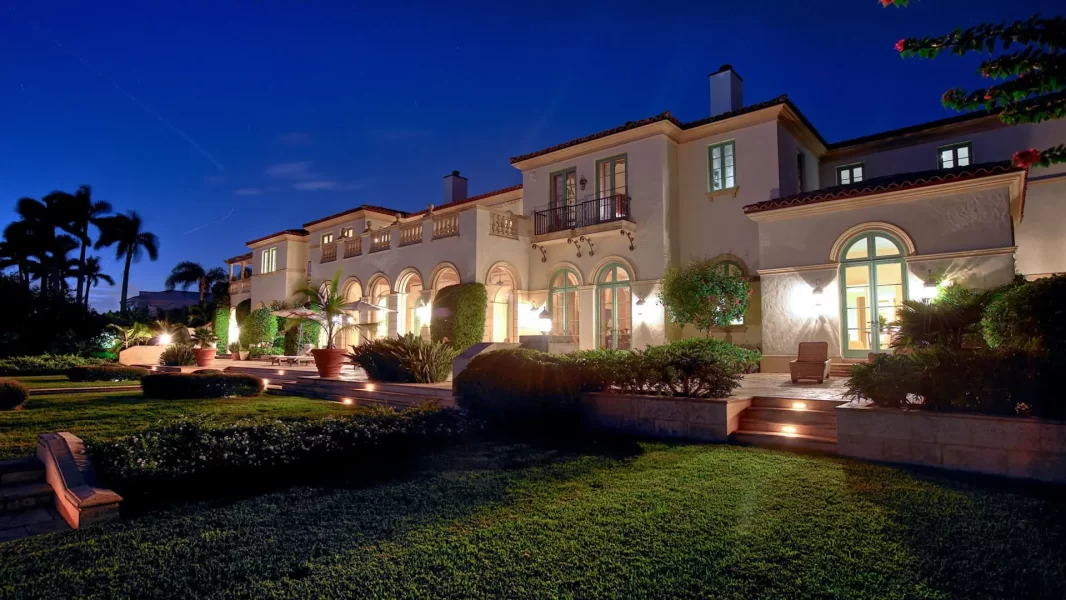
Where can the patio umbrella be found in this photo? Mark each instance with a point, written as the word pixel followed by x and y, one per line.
pixel 364 305
pixel 296 313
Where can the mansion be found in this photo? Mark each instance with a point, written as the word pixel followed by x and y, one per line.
pixel 833 235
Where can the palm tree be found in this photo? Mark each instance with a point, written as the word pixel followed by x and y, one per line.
pixel 16 250
pixel 92 275
pixel 187 274
pixel 126 233
pixel 38 230
pixel 204 314
pixel 79 211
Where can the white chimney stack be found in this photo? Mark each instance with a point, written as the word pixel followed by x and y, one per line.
pixel 454 187
pixel 727 91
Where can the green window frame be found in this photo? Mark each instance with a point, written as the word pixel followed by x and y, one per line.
pixel 954 155
pixel 864 250
pixel 610 283
pixel 722 166
pixel 612 182
pixel 566 323
pixel 732 267
pixel 569 176
pixel 849 174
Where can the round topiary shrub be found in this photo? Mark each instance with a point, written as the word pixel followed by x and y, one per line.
pixel 12 394
pixel 521 389
pixel 106 373
pixel 459 315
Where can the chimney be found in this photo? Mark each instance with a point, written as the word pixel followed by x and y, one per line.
pixel 727 91
pixel 454 187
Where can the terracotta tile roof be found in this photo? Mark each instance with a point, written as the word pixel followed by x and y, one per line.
pixel 666 116
pixel 299 232
pixel 470 199
pixel 380 209
pixel 878 185
pixel 237 259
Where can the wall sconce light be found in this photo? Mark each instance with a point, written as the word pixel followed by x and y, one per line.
pixel 423 312
pixel 640 307
pixel 545 321
pixel 583 182
pixel 818 292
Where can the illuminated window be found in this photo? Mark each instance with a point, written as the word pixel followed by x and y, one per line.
pixel 327 238
pixel 849 174
pixel 615 314
pixel 955 155
pixel 347 232
pixel 269 259
pixel 563 304
pixel 874 285
pixel 721 160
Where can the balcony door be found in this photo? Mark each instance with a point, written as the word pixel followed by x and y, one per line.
pixel 563 202
pixel 611 192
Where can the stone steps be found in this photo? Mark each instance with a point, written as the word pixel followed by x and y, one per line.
pixel 821 431
pixel 797 423
pixel 395 395
pixel 786 440
pixel 27 502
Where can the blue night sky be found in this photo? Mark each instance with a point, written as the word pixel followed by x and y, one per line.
pixel 215 120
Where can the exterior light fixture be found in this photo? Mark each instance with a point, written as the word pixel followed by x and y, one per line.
pixel 280 372
pixel 818 292
pixel 266 382
pixel 583 182
pixel 423 312
pixel 790 429
pixel 640 307
pixel 164 339
pixel 347 400
pixel 369 387
pixel 544 322
pixel 799 405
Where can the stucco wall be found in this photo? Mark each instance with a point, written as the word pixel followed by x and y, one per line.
pixel 1041 243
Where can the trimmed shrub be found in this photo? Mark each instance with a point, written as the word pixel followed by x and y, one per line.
pixel 193 451
pixel 178 355
pixel 45 364
pixel 1029 316
pixel 407 359
pixel 261 327
pixel 179 386
pixel 704 293
pixel 244 308
pixel 106 373
pixel 521 389
pixel 293 341
pixel 459 315
pixel 221 326
pixel 207 372
pixel 13 394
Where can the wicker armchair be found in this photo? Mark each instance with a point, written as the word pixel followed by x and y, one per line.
pixel 813 362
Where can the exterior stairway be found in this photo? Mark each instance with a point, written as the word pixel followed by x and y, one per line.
pixel 27 502
pixel 842 369
pixel 789 423
pixel 393 395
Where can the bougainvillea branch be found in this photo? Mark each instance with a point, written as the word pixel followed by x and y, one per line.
pixel 1030 73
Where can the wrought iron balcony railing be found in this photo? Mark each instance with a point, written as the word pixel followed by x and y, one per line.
pixel 595 209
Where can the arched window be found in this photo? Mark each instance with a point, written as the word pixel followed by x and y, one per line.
pixel 873 286
pixel 378 292
pixel 563 303
pixel 615 312
pixel 733 269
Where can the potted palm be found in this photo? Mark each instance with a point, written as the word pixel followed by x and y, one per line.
pixel 237 353
pixel 205 346
pixel 326 307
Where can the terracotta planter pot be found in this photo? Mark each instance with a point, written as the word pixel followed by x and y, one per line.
pixel 204 356
pixel 328 362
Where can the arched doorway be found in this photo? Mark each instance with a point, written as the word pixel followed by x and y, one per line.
pixel 353 292
pixel 873 287
pixel 563 304
pixel 378 320
pixel 500 285
pixel 615 309
pixel 443 276
pixel 410 286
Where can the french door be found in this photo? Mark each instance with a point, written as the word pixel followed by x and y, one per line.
pixel 874 286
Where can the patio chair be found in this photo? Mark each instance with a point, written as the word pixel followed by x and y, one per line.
pixel 303 356
pixel 812 363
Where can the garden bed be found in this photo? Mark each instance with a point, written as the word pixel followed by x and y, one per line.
pixel 1012 446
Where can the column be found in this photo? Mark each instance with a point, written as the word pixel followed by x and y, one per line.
pixel 587 317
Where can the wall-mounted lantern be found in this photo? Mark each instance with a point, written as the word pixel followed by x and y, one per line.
pixel 583 182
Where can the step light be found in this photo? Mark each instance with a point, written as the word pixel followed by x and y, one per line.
pixel 788 429
pixel 799 405
pixel 280 372
pixel 346 400
pixel 266 382
pixel 369 387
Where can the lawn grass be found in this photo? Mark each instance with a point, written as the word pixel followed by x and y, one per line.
pixel 107 415
pixel 61 381
pixel 641 521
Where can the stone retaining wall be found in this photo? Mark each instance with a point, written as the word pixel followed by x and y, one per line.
pixel 702 419
pixel 1011 446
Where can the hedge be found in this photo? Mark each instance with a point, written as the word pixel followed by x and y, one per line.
pixel 45 364
pixel 1029 316
pixel 192 451
pixel 244 308
pixel 261 327
pixel 176 386
pixel 13 394
pixel 106 373
pixel 459 315
pixel 221 326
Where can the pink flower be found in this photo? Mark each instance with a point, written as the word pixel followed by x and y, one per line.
pixel 1026 158
pixel 948 96
pixel 887 2
pixel 902 44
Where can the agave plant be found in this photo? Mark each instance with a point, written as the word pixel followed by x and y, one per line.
pixel 326 307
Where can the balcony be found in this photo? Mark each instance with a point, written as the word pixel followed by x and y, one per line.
pixel 329 252
pixel 353 247
pixel 593 210
pixel 240 286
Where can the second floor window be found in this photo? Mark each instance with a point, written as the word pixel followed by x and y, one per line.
pixel 849 174
pixel 955 155
pixel 564 188
pixel 270 260
pixel 721 159
pixel 327 238
pixel 347 232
